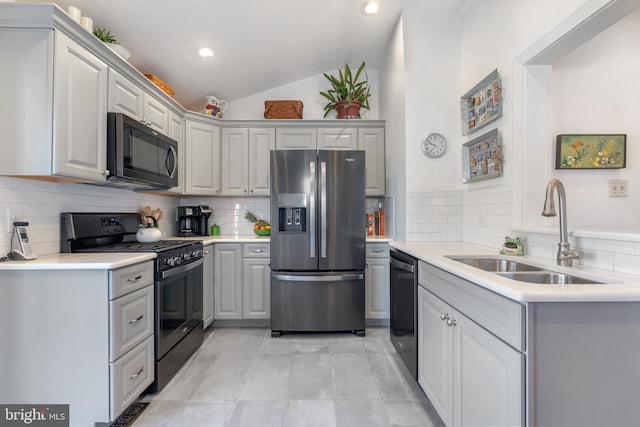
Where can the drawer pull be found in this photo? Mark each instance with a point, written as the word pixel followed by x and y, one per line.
pixel 133 321
pixel 134 279
pixel 257 251
pixel 185 329
pixel 377 251
pixel 137 374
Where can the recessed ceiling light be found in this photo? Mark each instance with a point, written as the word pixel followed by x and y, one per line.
pixel 205 52
pixel 371 7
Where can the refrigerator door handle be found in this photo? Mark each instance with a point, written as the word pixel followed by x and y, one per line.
pixel 323 209
pixel 312 209
pixel 319 278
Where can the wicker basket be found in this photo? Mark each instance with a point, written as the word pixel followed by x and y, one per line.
pixel 162 85
pixel 287 109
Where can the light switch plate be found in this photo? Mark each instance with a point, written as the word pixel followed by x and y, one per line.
pixel 617 188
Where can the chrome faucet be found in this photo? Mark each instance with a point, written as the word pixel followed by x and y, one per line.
pixel 566 255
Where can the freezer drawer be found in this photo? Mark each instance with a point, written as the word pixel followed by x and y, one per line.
pixel 317 302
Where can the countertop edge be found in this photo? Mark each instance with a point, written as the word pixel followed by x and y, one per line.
pixel 77 261
pixel 620 287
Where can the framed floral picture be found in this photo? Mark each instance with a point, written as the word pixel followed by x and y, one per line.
pixel 596 151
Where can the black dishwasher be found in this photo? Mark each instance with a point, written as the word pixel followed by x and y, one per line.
pixel 404 313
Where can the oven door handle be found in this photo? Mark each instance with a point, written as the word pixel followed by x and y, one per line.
pixel 402 265
pixel 182 269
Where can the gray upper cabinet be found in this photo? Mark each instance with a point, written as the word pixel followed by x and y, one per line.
pixel 371 140
pixel 298 138
pixel 202 158
pixel 128 98
pixel 64 132
pixel 245 161
pixel 261 142
pixel 337 139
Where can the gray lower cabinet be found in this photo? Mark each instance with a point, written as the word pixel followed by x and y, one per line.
pixel 256 281
pixel 377 281
pixel 207 286
pixel 467 369
pixel 85 338
pixel 242 281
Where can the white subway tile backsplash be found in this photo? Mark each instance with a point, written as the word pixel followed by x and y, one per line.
pixel 625 263
pixel 628 248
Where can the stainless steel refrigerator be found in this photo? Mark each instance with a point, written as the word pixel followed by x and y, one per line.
pixel 317 241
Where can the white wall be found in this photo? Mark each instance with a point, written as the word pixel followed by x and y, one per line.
pixel 432 80
pixel 306 90
pixel 595 90
pixel 393 109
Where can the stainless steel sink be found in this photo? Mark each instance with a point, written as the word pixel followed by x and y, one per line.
pixel 522 272
pixel 496 264
pixel 549 278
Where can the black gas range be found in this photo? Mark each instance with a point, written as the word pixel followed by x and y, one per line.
pixel 178 280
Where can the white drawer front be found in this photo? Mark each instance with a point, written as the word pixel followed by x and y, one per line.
pixel 377 250
pixel 256 250
pixel 128 279
pixel 499 315
pixel 129 376
pixel 131 321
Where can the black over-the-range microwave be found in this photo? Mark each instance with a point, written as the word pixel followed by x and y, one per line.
pixel 138 157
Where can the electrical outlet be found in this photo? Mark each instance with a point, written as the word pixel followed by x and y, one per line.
pixel 618 188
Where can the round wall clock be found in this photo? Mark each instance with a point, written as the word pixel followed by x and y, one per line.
pixel 434 145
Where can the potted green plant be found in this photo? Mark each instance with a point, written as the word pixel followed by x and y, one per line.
pixel 106 37
pixel 348 93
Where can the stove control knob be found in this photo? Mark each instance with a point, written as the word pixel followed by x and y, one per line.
pixel 177 260
pixel 196 253
pixel 186 257
pixel 170 262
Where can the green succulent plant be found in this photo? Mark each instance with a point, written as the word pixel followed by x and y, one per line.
pixel 104 35
pixel 347 87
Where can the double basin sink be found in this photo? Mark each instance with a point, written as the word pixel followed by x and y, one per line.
pixel 516 270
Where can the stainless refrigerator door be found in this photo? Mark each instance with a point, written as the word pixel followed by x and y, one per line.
pixel 294 185
pixel 342 210
pixel 313 302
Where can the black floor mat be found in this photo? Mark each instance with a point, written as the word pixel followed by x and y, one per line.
pixel 129 415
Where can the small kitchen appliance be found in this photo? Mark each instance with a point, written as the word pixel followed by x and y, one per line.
pixel 178 327
pixel 138 157
pixel 193 220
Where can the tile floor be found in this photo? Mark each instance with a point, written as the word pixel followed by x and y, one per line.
pixel 243 377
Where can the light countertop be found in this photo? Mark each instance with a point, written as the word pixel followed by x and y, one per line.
pixel 75 261
pixel 617 286
pixel 257 239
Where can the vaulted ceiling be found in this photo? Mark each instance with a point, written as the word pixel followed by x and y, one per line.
pixel 257 44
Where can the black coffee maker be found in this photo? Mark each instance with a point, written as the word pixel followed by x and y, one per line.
pixel 193 220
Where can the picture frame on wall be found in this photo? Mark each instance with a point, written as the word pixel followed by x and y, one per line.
pixel 482 104
pixel 482 158
pixel 591 151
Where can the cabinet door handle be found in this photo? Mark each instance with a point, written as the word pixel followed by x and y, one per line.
pixel 133 321
pixel 444 316
pixel 137 374
pixel 451 322
pixel 134 279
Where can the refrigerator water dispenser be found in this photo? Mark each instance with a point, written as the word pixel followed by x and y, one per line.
pixel 292 212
